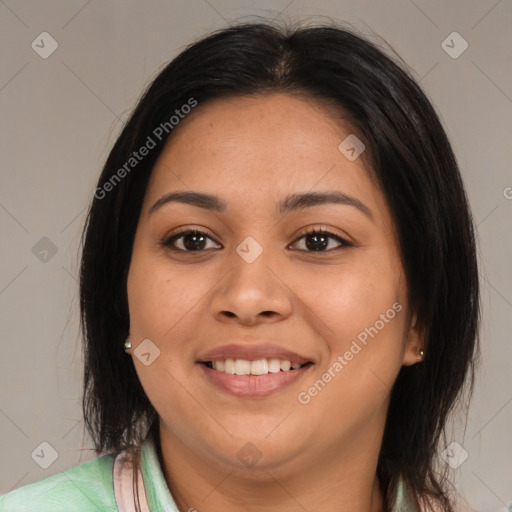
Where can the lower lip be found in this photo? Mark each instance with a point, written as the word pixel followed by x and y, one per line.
pixel 253 385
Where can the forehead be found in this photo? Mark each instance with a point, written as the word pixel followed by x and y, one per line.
pixel 256 149
pixel 259 126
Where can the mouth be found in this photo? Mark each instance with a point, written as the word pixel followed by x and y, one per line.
pixel 256 378
pixel 252 369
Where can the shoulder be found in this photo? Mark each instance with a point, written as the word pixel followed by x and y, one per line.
pixel 83 488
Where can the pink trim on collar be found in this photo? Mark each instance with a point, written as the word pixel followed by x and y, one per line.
pixel 123 487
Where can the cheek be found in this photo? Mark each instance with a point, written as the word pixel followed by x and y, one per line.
pixel 161 307
pixel 365 356
pixel 351 297
pixel 163 299
pixel 360 314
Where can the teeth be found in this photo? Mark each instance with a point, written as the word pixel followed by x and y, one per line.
pixel 242 367
pixel 274 365
pixel 257 367
pixel 229 366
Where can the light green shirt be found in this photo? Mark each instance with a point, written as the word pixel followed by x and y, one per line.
pixel 99 486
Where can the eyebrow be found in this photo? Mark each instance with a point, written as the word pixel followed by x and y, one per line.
pixel 292 202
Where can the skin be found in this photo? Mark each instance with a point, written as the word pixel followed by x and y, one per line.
pixel 322 456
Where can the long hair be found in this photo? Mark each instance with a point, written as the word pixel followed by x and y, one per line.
pixel 411 161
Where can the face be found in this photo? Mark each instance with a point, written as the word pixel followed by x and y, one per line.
pixel 257 287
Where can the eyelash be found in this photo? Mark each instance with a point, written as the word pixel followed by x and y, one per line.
pixel 168 241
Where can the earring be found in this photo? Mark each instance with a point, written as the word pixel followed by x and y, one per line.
pixel 420 357
pixel 127 343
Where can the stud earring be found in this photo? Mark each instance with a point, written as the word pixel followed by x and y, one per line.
pixel 127 343
pixel 420 353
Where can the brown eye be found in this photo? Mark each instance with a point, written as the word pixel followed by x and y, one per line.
pixel 192 240
pixel 317 240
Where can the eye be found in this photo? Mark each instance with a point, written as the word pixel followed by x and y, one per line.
pixel 194 240
pixel 318 239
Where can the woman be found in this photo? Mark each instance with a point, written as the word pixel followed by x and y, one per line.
pixel 279 288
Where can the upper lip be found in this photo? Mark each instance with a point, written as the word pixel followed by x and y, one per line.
pixel 252 352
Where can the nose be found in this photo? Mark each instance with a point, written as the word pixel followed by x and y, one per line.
pixel 253 292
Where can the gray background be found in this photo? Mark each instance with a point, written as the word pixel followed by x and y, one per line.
pixel 60 116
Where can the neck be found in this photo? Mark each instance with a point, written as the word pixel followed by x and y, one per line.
pixel 344 480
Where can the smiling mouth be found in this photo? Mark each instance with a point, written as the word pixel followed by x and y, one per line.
pixel 254 368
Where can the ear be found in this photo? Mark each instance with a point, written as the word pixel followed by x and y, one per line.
pixel 414 344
